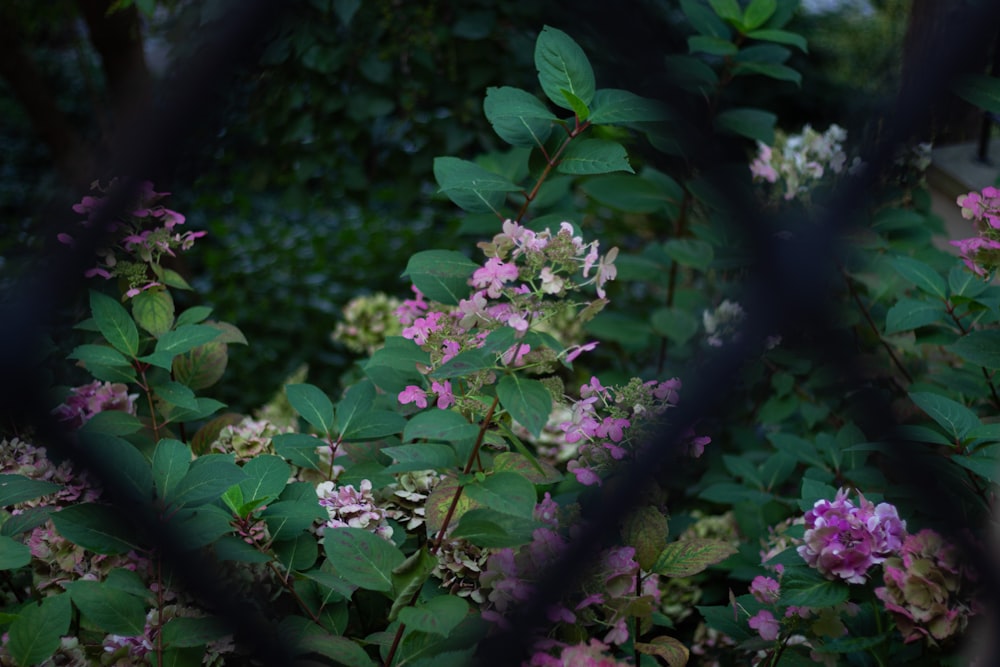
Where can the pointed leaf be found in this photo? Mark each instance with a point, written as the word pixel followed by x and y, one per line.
pixel 981 348
pixel 612 106
pixel 628 193
pixel 442 275
pixel 594 156
pixel 780 37
pixel 94 527
pixel 921 275
pixel 562 65
pixel 423 456
pixel 751 123
pixel 133 475
pixel 115 324
pixel 727 9
pixel 758 12
pixel 314 405
pixel 182 631
pixel 471 187
pixel 171 460
pixel 355 404
pixel 703 19
pixel 112 422
pixel 207 479
pixel 376 424
pixel 805 588
pixel 362 558
pixel 18 488
pixel 266 478
pixel 153 310
pixel 954 418
pixel 13 554
pixel 203 366
pixel 488 528
pixel 909 314
pixel 177 394
pixel 298 448
pixel 410 577
pixel 517 116
pixel 527 401
pixel 100 355
pixel 688 557
pixel 981 90
pixel 112 610
pixel 506 492
pixel 438 616
pixel 713 46
pixel 536 472
pixel 287 519
pixel 180 340
pixel 770 70
pixel 37 631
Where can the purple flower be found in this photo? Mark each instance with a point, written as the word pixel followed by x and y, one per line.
pixel 413 394
pixel 843 540
pixel 766 625
pixel 86 401
pixel 765 589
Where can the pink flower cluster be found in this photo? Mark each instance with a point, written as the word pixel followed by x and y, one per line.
pixel 86 401
pixel 922 586
pixel 149 233
pixel 591 654
pixel 845 540
pixel 355 508
pixel 981 253
pixel 604 423
pixel 800 160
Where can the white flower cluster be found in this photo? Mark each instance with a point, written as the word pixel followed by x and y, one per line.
pixel 801 160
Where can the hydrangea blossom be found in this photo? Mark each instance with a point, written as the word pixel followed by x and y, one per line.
pixel 845 540
pixel 801 160
pixel 86 401
pixel 353 507
pixel 922 586
pixel 367 321
pixel 981 254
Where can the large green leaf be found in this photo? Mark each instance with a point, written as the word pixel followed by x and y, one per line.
pixel 375 424
pixel 691 556
pixel 266 478
pixel 153 310
pixel 780 37
pixel 438 615
pixel 630 193
pixel 95 527
pixel 362 558
pixel 182 631
pixel 526 400
pixel 517 116
pixel 287 519
pixel 751 123
pixel 713 46
pixel 298 448
pixel 115 324
pixel 395 365
pixel 492 529
pixel 704 20
pixel 981 348
pixel 562 65
pixel 18 488
pixel 676 324
pixel 909 314
pixel 203 366
pixel 612 106
pixel 13 554
pixel 806 588
pixel 981 90
pixel 507 492
pixel 758 12
pixel 442 275
pixel 355 405
pixel 99 355
pixel 171 460
pixel 594 156
pixel 110 609
pixel 206 480
pixel 112 422
pixel 953 417
pixel 133 475
pixel 770 70
pixel 471 187
pixel 921 275
pixel 178 341
pixel 37 631
pixel 313 404
pixel 423 456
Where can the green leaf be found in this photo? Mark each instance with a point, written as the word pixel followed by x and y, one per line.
pixel 981 348
pixel 423 456
pixel 910 314
pixel 612 106
pixel 341 650
pixel 981 90
pixel 713 46
pixel 985 462
pixel 112 422
pixel 921 275
pixel 646 531
pixel 630 193
pixel 489 528
pixel 29 519
pixel 965 283
pixel 177 394
pixel 524 464
pixel 110 609
pixel 176 342
pixel 171 461
pixel 770 70
pixel 132 469
pixel 562 65
pixel 115 324
pixel 153 310
pixel 103 373
pixel 703 19
pixel 506 492
pixel 95 527
pixel 805 588
pixel 517 116
pixel 206 480
pixel 758 12
pixel 439 426
pixel 471 187
pixel 298 554
pixel 266 478
pixel 580 108
pixel 362 558
pixel 13 554
pixel 298 448
pixel 357 402
pixel 442 275
pixel 37 631
pixel 206 408
pixel 594 156
pixel 953 417
pixel 410 577
pixel 183 631
pixel 193 315
pixel 527 401
pixel 688 557
pixel 286 519
pixel 725 619
pixel 780 37
pixel 893 219
pixel 466 363
pixel 18 488
pixel 395 365
pixel 203 366
pixel 690 252
pixel 727 9
pixel 99 355
pixel 314 405
pixel 751 123
pixel 676 324
pixel 376 424
pixel 438 616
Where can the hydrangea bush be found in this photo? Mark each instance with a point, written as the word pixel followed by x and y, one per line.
pixel 402 518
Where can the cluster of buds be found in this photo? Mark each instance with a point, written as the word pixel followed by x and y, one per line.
pixel 799 161
pixel 981 253
pixel 86 401
pixel 148 232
